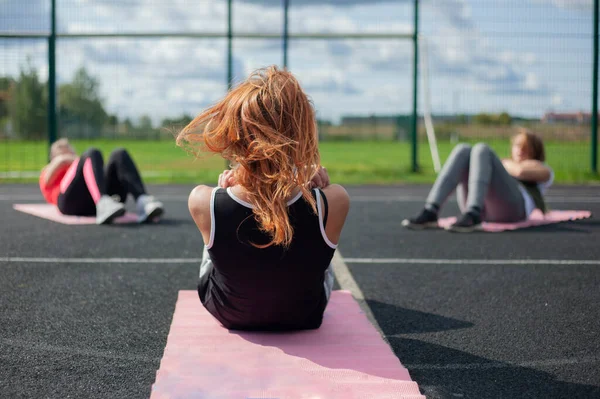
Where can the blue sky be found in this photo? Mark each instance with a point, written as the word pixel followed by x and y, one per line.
pixel 525 57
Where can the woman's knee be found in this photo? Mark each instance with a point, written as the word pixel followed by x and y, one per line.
pixel 91 152
pixel 119 153
pixel 481 147
pixel 461 150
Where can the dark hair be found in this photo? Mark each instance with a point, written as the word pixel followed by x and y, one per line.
pixel 534 144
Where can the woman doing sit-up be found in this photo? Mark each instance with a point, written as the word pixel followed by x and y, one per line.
pixel 82 186
pixel 489 189
pixel 269 238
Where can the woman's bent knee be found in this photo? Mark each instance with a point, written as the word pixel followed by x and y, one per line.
pixel 461 150
pixel 91 152
pixel 119 153
pixel 482 147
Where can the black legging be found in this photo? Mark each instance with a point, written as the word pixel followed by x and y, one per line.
pixel 120 177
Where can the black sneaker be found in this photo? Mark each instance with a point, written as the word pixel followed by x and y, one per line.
pixel 467 223
pixel 424 220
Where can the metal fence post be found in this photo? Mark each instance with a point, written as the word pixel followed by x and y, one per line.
pixel 286 7
pixel 414 135
pixel 229 45
pixel 52 126
pixel 594 138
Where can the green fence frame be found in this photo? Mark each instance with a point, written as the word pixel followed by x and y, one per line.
pixel 594 135
pixel 53 36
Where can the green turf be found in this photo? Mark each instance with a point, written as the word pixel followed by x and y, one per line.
pixel 354 162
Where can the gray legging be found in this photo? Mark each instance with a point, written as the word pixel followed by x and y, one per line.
pixel 482 183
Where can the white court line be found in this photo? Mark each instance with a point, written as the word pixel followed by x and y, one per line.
pixel 346 282
pixel 410 198
pixel 35 174
pixel 409 261
pixel 499 365
pixel 339 263
pixel 99 260
pixel 353 198
pixel 39 198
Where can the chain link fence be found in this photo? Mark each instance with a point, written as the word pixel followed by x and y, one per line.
pixel 130 73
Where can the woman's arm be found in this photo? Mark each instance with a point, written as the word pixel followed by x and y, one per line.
pixel 528 170
pixel 56 165
pixel 338 202
pixel 199 206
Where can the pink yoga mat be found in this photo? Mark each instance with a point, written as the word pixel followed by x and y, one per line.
pixel 537 218
pixel 344 359
pixel 50 212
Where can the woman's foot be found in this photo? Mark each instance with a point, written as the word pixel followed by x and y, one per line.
pixel 107 209
pixel 148 208
pixel 467 223
pixel 425 220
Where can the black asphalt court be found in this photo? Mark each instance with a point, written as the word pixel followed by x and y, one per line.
pixel 85 310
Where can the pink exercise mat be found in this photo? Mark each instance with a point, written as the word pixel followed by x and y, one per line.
pixel 537 218
pixel 51 212
pixel 346 358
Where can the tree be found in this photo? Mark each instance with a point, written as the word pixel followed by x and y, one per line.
pixel 483 119
pixel 462 119
pixel 113 120
pixel 493 119
pixel 504 119
pixel 27 105
pixel 6 84
pixel 80 105
pixel 177 123
pixel 145 123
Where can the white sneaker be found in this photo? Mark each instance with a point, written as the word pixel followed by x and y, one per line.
pixel 107 209
pixel 148 208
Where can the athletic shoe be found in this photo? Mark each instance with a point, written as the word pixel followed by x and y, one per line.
pixel 467 223
pixel 148 208
pixel 107 209
pixel 424 220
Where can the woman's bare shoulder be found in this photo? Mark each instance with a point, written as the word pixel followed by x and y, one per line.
pixel 199 200
pixel 336 194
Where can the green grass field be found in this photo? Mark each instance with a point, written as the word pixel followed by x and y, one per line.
pixel 355 162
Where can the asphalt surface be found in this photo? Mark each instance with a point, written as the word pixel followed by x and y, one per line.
pixel 464 323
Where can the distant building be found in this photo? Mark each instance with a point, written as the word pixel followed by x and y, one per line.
pixel 377 119
pixel 567 117
pixel 5 124
pixel 4 95
pixel 394 119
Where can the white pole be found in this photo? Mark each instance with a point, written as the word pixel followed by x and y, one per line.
pixel 435 156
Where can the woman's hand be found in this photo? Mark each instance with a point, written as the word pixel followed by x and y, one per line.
pixel 320 179
pixel 226 179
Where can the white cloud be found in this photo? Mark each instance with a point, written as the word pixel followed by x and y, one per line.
pixel 531 81
pixel 557 100
pixel 161 78
pixel 167 77
pixel 574 4
pixel 80 16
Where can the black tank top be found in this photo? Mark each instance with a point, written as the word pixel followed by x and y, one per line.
pixel 273 288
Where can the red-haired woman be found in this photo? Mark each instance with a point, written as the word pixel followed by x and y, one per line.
pixel 489 189
pixel 269 236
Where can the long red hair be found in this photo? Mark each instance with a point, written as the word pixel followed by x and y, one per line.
pixel 266 128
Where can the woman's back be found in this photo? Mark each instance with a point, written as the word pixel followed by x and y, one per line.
pixel 271 288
